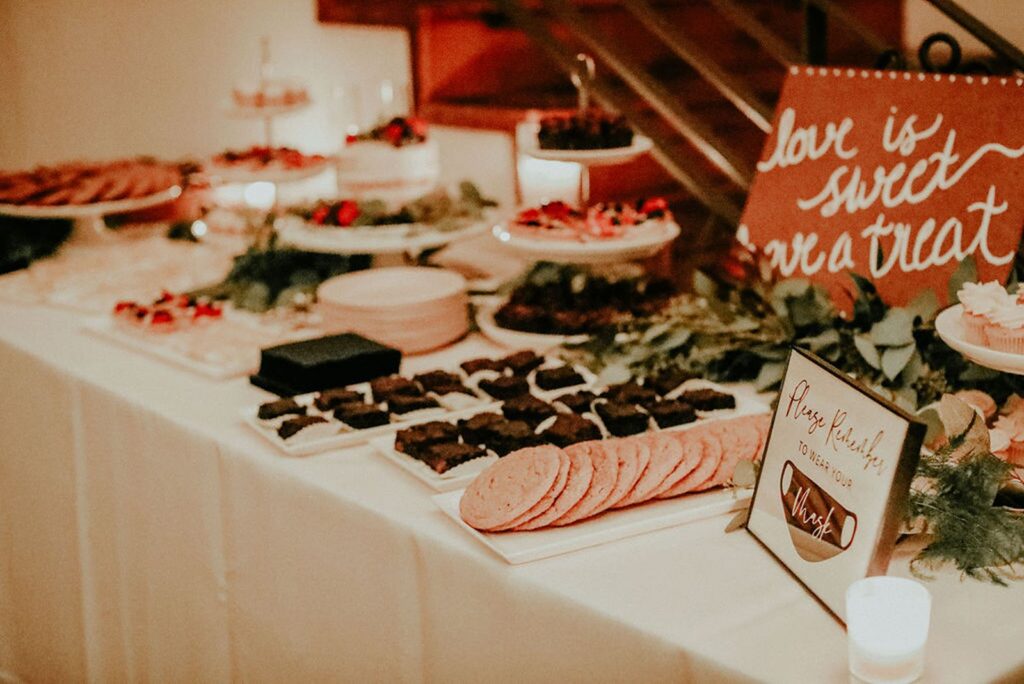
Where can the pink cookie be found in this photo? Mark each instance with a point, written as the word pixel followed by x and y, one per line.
pixel 710 456
pixel 581 472
pixel 691 454
pixel 633 454
pixel 510 487
pixel 666 453
pixel 606 474
pixel 740 438
pixel 547 500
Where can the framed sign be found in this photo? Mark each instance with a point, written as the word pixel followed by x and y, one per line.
pixel 834 479
pixel 895 176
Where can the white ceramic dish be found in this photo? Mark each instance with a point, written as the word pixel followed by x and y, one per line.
pixel 234 174
pixel 604 157
pixel 638 242
pixel 398 239
pixel 950 328
pixel 516 339
pixel 523 547
pixel 96 209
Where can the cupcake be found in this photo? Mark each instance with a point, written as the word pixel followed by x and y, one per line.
pixel 979 301
pixel 1012 449
pixel 1005 330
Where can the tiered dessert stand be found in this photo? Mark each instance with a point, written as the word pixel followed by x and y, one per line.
pixel 949 325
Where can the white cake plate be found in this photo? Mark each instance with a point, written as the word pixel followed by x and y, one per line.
pixel 949 325
pixel 88 218
pixel 602 157
pixel 228 174
pixel 638 242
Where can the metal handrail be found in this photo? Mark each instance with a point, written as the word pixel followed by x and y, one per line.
pixel 696 182
pixel 687 49
pixel 981 31
pixel 776 47
pixel 661 100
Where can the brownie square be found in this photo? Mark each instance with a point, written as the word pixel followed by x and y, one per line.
pixel 556 378
pixel 415 440
pixel 281 407
pixel 401 403
pixel 708 399
pixel 522 362
pixel 446 455
pixel 332 361
pixel 476 429
pixel 361 416
pixel 505 437
pixel 668 379
pixel 570 429
pixel 622 419
pixel 577 402
pixel 439 378
pixel 669 412
pixel 385 388
pixel 505 387
pixel 528 409
pixel 328 400
pixel 294 426
pixel 477 365
pixel 454 387
pixel 630 393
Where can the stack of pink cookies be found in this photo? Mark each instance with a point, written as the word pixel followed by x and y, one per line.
pixel 993 317
pixel 546 486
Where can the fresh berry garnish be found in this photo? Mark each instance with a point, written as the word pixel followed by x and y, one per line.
pixel 654 205
pixel 319 215
pixel 123 306
pixel 165 297
pixel 347 213
pixel 161 317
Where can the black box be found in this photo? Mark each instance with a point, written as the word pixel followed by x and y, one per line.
pixel 323 363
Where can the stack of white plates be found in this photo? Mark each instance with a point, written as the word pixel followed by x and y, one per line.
pixel 411 309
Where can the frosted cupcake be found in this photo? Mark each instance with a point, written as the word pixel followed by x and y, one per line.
pixel 980 300
pixel 1012 449
pixel 1005 329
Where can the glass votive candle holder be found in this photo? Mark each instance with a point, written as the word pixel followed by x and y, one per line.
pixel 887 628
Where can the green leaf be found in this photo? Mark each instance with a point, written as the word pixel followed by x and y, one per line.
pixel 868 351
pixel 745 474
pixel 895 358
pixel 613 374
pixel 894 330
pixel 704 286
pixel 769 376
pixel 819 342
pixel 929 415
pixel 924 305
pixel 966 272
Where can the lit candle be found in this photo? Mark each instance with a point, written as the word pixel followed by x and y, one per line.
pixel 887 628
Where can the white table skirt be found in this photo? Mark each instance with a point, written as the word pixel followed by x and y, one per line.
pixel 146 535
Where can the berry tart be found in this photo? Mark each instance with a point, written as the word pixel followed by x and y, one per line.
pixel 593 129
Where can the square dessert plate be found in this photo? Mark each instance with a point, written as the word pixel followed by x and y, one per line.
pixel 524 547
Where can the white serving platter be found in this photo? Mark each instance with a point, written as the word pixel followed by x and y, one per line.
pixel 398 239
pixel 602 157
pixel 638 242
pixel 949 325
pixel 156 349
pixel 96 209
pixel 270 174
pixel 524 547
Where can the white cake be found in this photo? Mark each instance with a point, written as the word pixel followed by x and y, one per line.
pixel 370 169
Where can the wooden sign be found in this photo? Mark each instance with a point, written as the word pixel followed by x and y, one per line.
pixel 892 175
pixel 834 479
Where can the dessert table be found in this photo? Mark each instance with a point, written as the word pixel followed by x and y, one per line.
pixel 147 535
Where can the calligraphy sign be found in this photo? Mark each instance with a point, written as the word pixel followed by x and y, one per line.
pixel 834 479
pixel 892 175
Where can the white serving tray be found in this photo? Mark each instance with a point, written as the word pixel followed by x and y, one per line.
pixel 949 325
pixel 523 547
pixel 638 242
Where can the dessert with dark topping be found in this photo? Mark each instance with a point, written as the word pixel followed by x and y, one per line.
pixel 430 381
pixel 415 440
pixel 330 399
pixel 387 387
pixel 444 456
pixel 592 129
pixel 528 409
pixel 668 379
pixel 505 387
pixel 361 416
pixel 557 378
pixel 294 426
pixel 707 399
pixel 522 362
pixel 404 403
pixel 622 419
pixel 477 429
pixel 281 407
pixel 669 412
pixel 577 402
pixel 508 435
pixel 630 393
pixel 476 365
pixel 570 429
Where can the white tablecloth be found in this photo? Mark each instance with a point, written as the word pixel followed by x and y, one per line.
pixel 146 535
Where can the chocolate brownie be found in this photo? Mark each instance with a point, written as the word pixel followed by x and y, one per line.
pixel 622 419
pixel 507 436
pixel 505 387
pixel 415 440
pixel 446 455
pixel 522 362
pixel 294 426
pixel 454 387
pixel 476 429
pixel 708 399
pixel 328 400
pixel 630 393
pixel 281 407
pixel 361 416
pixel 668 379
pixel 556 378
pixel 669 412
pixel 385 388
pixel 577 402
pixel 527 408
pixel 434 379
pixel 476 365
pixel 569 429
pixel 400 403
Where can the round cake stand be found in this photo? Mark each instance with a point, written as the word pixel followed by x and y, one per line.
pixel 89 225
pixel 949 325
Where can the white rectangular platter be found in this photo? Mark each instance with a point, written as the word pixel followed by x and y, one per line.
pixel 523 547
